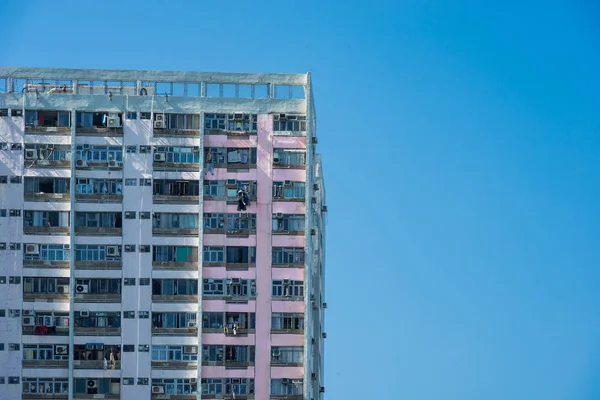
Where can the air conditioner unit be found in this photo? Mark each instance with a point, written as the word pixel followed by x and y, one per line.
pixel 67 247
pixel 92 383
pixel 159 125
pixel 113 164
pixel 82 289
pixel 28 214
pixel 191 324
pixel 287 183
pixel 193 381
pixel 28 321
pixel 63 289
pixel 279 215
pixel 285 381
pixel 32 249
pixel 61 350
pixel 238 117
pixel 81 163
pixel 159 117
pixel 114 122
pixel 31 154
pixel 275 158
pixel 324 305
pixel 324 208
pixel 84 313
pixel 324 335
pixel 236 281
pixel 282 117
pixel 28 313
pixel 315 186
pixel 113 251
pixel 158 389
pixel 190 349
pixel 313 376
pixel 86 147
pixel 275 353
pixel 286 281
pixel 159 157
pixel 314 140
pixel 232 182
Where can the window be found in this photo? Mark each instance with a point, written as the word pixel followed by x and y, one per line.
pixel 287 321
pixel 214 254
pixel 288 288
pixel 287 255
pixel 179 155
pixel 174 287
pixel 145 182
pixel 128 381
pixel 46 185
pixel 14 347
pixel 129 248
pixel 50 252
pixel 291 124
pixel 143 348
pixel 13 380
pixel 3 212
pixel 98 220
pixel 288 222
pixel 16 179
pixel 129 314
pixel 85 186
pixel 2 245
pixel 88 252
pixel 47 118
pixel 175 254
pixel 129 281
pixel 101 285
pixel 287 355
pixel 214 188
pixel 144 248
pixel 143 314
pixel 130 182
pixel 144 281
pixel 128 348
pixel 2 345
pixel 2 315
pixel 45 352
pixel 165 187
pixel 145 149
pixel 174 353
pixel 241 254
pixel 130 214
pixel 175 221
pixel 231 122
pixel 235 223
pixel 96 386
pixel 14 280
pixel 181 121
pixel 46 219
pixel 15 213
pixel 176 386
pixel 3 179
pixel 146 115
pixel 2 280
pixel 234 287
pixel 289 158
pixel 287 387
pixel 14 246
pixel 14 313
pixel 173 320
pixel 95 319
pixel 45 285
pixel 289 190
pixel 100 154
pixel 228 386
pixel 131 115
pixel 144 214
pixel 131 149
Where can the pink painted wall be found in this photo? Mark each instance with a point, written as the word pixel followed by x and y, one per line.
pixel 264 152
pixel 220 372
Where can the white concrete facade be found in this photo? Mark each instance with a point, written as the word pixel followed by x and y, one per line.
pixel 127 270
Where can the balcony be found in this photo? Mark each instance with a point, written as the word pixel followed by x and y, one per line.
pixel 45 363
pixel 46 264
pixel 48 197
pixel 164 199
pixel 96 331
pixel 228 364
pixel 46 230
pixel 52 130
pixel 45 396
pixel 46 330
pixel 175 231
pixel 182 397
pixel 175 266
pixel 97 265
pixel 48 164
pixel 175 364
pixel 99 130
pixel 102 165
pixel 46 297
pixel 94 364
pixel 97 298
pixel 175 331
pixel 284 397
pixel 159 132
pixel 99 198
pixel 86 231
pixel 184 298
pixel 170 166
pixel 80 396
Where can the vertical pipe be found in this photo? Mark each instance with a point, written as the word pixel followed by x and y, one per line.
pixel 72 256
pixel 200 256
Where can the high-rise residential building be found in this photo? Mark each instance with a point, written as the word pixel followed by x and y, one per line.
pixel 161 236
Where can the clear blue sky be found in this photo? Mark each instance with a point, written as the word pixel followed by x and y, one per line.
pixel 462 154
